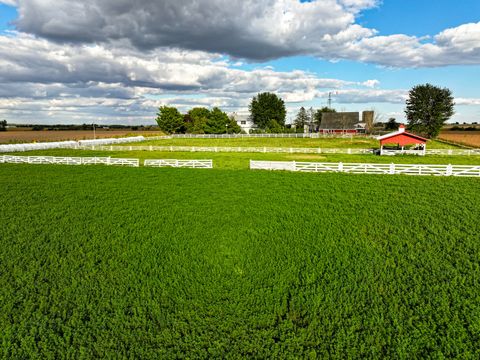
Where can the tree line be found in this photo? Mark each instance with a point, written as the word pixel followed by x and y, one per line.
pixel 198 120
pixel 267 112
pixel 427 109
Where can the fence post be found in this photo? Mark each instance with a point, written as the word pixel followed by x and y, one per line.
pixel 349 151
pixel 449 170
pixel 340 167
pixel 264 149
pixel 392 169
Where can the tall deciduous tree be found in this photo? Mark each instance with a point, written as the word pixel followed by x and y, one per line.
pixel 3 125
pixel 169 119
pixel 428 108
pixel 266 108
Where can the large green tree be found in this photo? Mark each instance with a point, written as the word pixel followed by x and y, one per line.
pixel 217 122
pixel 3 125
pixel 198 118
pixel 267 108
pixel 428 108
pixel 169 119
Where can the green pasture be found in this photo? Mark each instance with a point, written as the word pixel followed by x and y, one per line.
pixel 111 262
pixel 241 160
pixel 326 142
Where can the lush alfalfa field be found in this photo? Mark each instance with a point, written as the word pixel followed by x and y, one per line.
pixel 105 262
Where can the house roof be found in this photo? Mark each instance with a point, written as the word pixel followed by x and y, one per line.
pixel 401 131
pixel 339 121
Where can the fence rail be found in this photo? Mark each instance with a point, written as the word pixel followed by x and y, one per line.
pixel 66 144
pixel 68 160
pixel 326 134
pixel 265 149
pixel 196 164
pixel 228 149
pixel 365 168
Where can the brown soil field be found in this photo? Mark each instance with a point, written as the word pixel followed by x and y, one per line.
pixel 469 138
pixel 14 136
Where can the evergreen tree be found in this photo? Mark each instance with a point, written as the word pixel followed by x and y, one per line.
pixel 302 118
pixel 169 119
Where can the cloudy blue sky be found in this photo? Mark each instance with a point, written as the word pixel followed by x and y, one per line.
pixel 117 61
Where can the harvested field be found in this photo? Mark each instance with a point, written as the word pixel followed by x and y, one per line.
pixel 23 136
pixel 469 138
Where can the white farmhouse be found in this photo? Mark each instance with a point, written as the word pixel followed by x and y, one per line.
pixel 244 121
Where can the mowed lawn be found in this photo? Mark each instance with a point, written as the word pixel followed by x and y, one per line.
pixel 353 142
pixel 235 160
pixel 111 262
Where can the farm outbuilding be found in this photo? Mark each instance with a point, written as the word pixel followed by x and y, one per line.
pixel 402 142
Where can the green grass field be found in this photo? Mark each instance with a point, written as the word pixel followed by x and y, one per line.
pixel 242 160
pixel 327 142
pixel 110 262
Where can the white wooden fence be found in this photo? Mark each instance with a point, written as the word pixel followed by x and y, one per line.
pixel 265 149
pixel 326 134
pixel 66 144
pixel 196 164
pixel 68 160
pixel 228 149
pixel 365 168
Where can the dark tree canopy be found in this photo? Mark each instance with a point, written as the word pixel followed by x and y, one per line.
pixel 392 124
pixel 3 125
pixel 267 109
pixel 169 119
pixel 198 118
pixel 428 108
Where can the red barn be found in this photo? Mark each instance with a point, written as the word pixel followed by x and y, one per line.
pixel 402 139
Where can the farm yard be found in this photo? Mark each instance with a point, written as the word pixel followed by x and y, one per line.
pixel 123 262
pixel 165 263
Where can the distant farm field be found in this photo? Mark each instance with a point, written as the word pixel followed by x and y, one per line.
pixel 23 136
pixel 469 138
pixel 104 262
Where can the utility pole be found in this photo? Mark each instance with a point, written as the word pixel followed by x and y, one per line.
pixel 93 131
pixel 329 100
